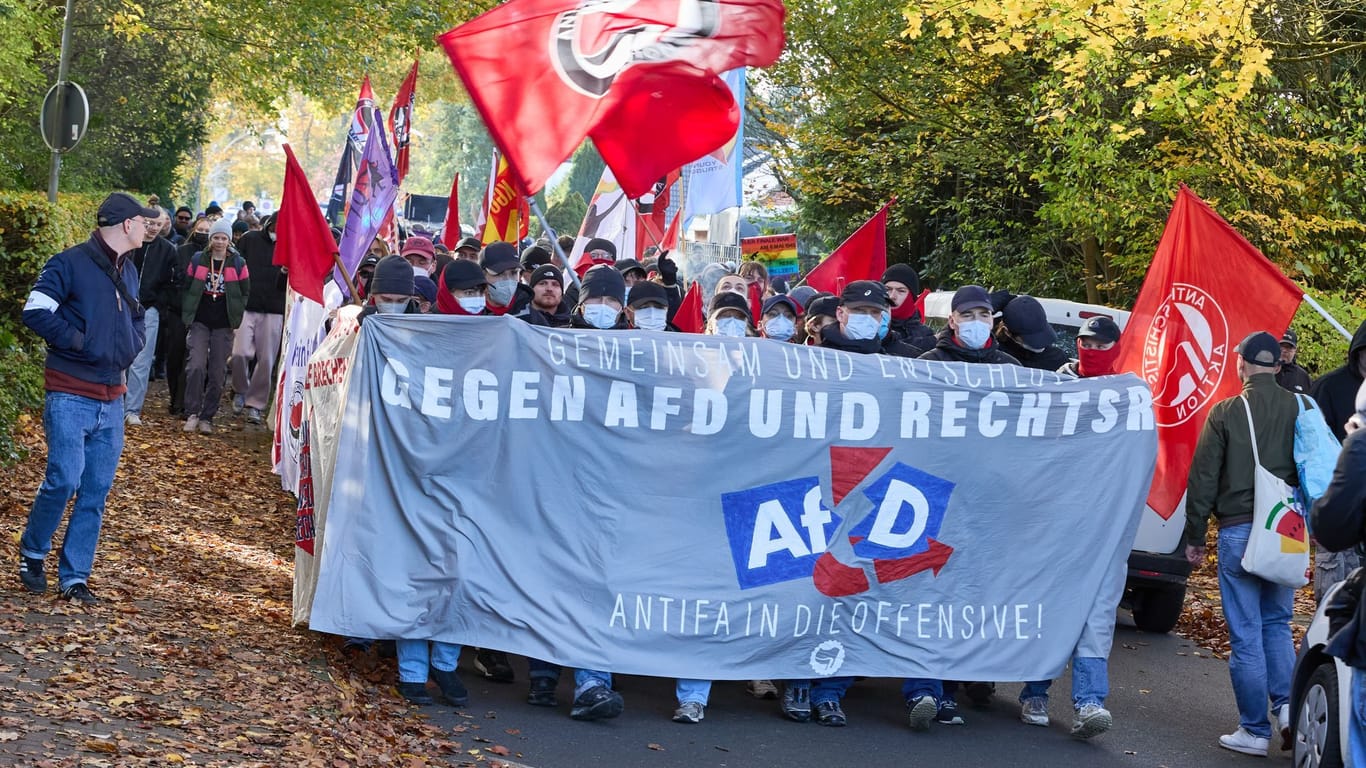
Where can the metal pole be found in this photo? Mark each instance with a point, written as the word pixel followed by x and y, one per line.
pixel 62 60
pixel 554 241
pixel 1331 320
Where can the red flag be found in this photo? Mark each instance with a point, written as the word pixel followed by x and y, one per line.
pixel 401 121
pixel 1207 289
pixel 688 318
pixel 304 244
pixel 450 230
pixel 364 114
pixel 670 240
pixel 641 79
pixel 862 257
pixel 756 301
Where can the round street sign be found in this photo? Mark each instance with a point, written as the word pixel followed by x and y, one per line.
pixel 64 133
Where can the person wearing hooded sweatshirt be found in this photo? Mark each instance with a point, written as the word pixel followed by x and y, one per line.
pixel 214 302
pixel 1025 334
pixel 155 260
pixel 1338 520
pixel 507 295
pixel 258 339
pixel 863 323
pixel 461 289
pixel 1336 390
pixel 968 336
pixel 903 291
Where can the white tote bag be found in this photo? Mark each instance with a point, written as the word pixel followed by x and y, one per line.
pixel 1278 546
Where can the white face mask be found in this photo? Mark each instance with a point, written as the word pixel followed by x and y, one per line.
pixel 862 327
pixel 271 235
pixel 651 318
pixel 730 326
pixel 472 304
pixel 600 315
pixel 781 328
pixel 390 307
pixel 973 334
pixel 501 292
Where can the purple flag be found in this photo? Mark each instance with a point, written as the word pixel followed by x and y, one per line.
pixel 371 200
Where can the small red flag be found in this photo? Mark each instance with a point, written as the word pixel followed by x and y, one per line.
pixel 1207 289
pixel 401 121
pixel 641 79
pixel 670 240
pixel 756 301
pixel 861 257
pixel 450 230
pixel 688 318
pixel 304 243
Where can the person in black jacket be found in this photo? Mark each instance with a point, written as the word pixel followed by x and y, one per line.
pixel 257 340
pixel 1024 334
pixel 154 259
pixel 903 292
pixel 547 306
pixel 863 323
pixel 1289 374
pixel 174 325
pixel 968 337
pixel 1336 390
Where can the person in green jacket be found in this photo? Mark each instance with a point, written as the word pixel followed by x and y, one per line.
pixel 213 305
pixel 1221 483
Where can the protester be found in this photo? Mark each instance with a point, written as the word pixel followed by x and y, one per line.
pixel 709 276
pixel 547 307
pixel 534 256
pixel 863 323
pixel 647 308
pixel 779 318
pixel 391 289
pixel 247 211
pixel 172 319
pixel 732 283
pixel 257 340
pixel 239 227
pixel 364 272
pixel 184 217
pixel 214 302
pixel 803 294
pixel 1025 334
pixel 821 311
pixel 903 293
pixel 603 295
pixel 728 314
pixel 419 253
pixel 1289 374
pixel 1338 520
pixel 1221 481
pixel 424 293
pixel 155 261
pixel 468 248
pixel 968 339
pixel 756 274
pixel 378 248
pixel 92 335
pixel 214 212
pixel 1336 390
pixel 1097 349
pixel 632 272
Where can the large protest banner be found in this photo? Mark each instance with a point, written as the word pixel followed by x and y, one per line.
pixel 697 507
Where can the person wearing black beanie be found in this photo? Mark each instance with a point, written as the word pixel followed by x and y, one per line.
pixel 602 296
pixel 547 306
pixel 391 289
pixel 903 293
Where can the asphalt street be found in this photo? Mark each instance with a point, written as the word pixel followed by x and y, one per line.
pixel 1170 699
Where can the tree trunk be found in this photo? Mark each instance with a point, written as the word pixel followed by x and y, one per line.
pixel 1090 249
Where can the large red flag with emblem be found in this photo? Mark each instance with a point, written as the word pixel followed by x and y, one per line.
pixel 861 257
pixel 1207 289
pixel 305 246
pixel 641 79
pixel 401 121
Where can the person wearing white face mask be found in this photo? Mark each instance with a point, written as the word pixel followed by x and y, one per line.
pixel 969 339
pixel 648 307
pixel 863 321
pixel 391 289
pixel 601 298
pixel 507 295
pixel 462 289
pixel 780 315
pixel 728 315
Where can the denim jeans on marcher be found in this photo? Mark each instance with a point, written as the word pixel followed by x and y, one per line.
pixel 84 441
pixel 913 688
pixel 587 678
pixel 692 690
pixel 1090 683
pixel 415 656
pixel 141 369
pixel 1258 613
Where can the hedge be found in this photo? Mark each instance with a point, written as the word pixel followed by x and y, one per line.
pixel 31 231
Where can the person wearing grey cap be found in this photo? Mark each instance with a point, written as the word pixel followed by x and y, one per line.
pixel 1290 374
pixel 1221 483
pixel 92 335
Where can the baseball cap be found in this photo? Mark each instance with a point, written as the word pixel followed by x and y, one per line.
pixel 469 242
pixel 626 265
pixel 120 207
pixel 864 293
pixel 1100 327
pixel 971 297
pixel 1260 348
pixel 463 274
pixel 1025 317
pixel 419 246
pixel 822 305
pixel 773 301
pixel 646 292
pixel 499 257
pixel 729 300
pixel 1290 337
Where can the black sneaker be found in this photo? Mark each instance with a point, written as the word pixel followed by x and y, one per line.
pixel 542 693
pixel 80 593
pixel 980 693
pixel 415 693
pixel 829 713
pixel 797 703
pixel 597 703
pixel 32 574
pixel 494 666
pixel 452 690
pixel 948 713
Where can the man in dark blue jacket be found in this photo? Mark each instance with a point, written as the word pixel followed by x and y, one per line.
pixel 85 307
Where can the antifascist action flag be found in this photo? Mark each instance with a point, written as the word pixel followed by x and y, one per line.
pixel 401 121
pixel 641 79
pixel 363 119
pixel 336 204
pixel 1207 289
pixel 861 257
pixel 304 243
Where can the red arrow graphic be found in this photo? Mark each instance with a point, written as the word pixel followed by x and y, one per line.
pixel 894 570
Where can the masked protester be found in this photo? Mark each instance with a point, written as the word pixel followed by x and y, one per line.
pixel 462 289
pixel 424 293
pixel 821 310
pixel 364 272
pixel 1025 334
pixel 213 305
pixel 903 292
pixel 728 315
pixel 391 289
pixel 421 254
pixel 602 297
pixel 968 336
pixel 863 323
pixel 1097 349
pixel 779 318
pixel 507 295
pixel 647 308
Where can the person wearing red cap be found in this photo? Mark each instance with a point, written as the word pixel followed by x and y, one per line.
pixel 419 252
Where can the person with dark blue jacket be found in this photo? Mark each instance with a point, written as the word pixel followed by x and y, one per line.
pixel 85 306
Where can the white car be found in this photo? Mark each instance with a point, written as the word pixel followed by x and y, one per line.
pixel 1320 694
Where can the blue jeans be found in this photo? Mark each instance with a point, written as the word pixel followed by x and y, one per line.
pixel 692 690
pixel 829 689
pixel 588 678
pixel 544 669
pixel 1090 683
pixel 915 687
pixel 414 656
pixel 1357 737
pixel 84 441
pixel 1258 613
pixel 141 368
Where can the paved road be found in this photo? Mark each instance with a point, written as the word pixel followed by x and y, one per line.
pixel 1170 706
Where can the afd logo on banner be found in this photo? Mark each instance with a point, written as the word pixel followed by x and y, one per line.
pixel 781 531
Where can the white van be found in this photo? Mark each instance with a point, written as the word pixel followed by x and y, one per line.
pixel 1158 569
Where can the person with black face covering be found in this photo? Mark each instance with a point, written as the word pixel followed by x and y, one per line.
pixel 903 291
pixel 1025 334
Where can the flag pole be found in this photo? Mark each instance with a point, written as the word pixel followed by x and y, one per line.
pixel 554 241
pixel 350 284
pixel 1331 320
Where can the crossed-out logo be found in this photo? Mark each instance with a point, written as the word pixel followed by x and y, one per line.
pixel 1184 354
pixel 295 414
pixel 781 531
pixel 588 51
pixel 827 658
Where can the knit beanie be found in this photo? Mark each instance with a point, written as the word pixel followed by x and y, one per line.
pixel 221 227
pixel 603 281
pixel 904 274
pixel 392 275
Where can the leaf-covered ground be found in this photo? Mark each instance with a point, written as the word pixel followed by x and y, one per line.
pixel 190 658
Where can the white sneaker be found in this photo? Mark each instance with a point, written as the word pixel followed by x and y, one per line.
pixel 1242 741
pixel 1092 720
pixel 1283 720
pixel 1034 712
pixel 762 689
pixel 191 424
pixel 132 419
pixel 206 427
